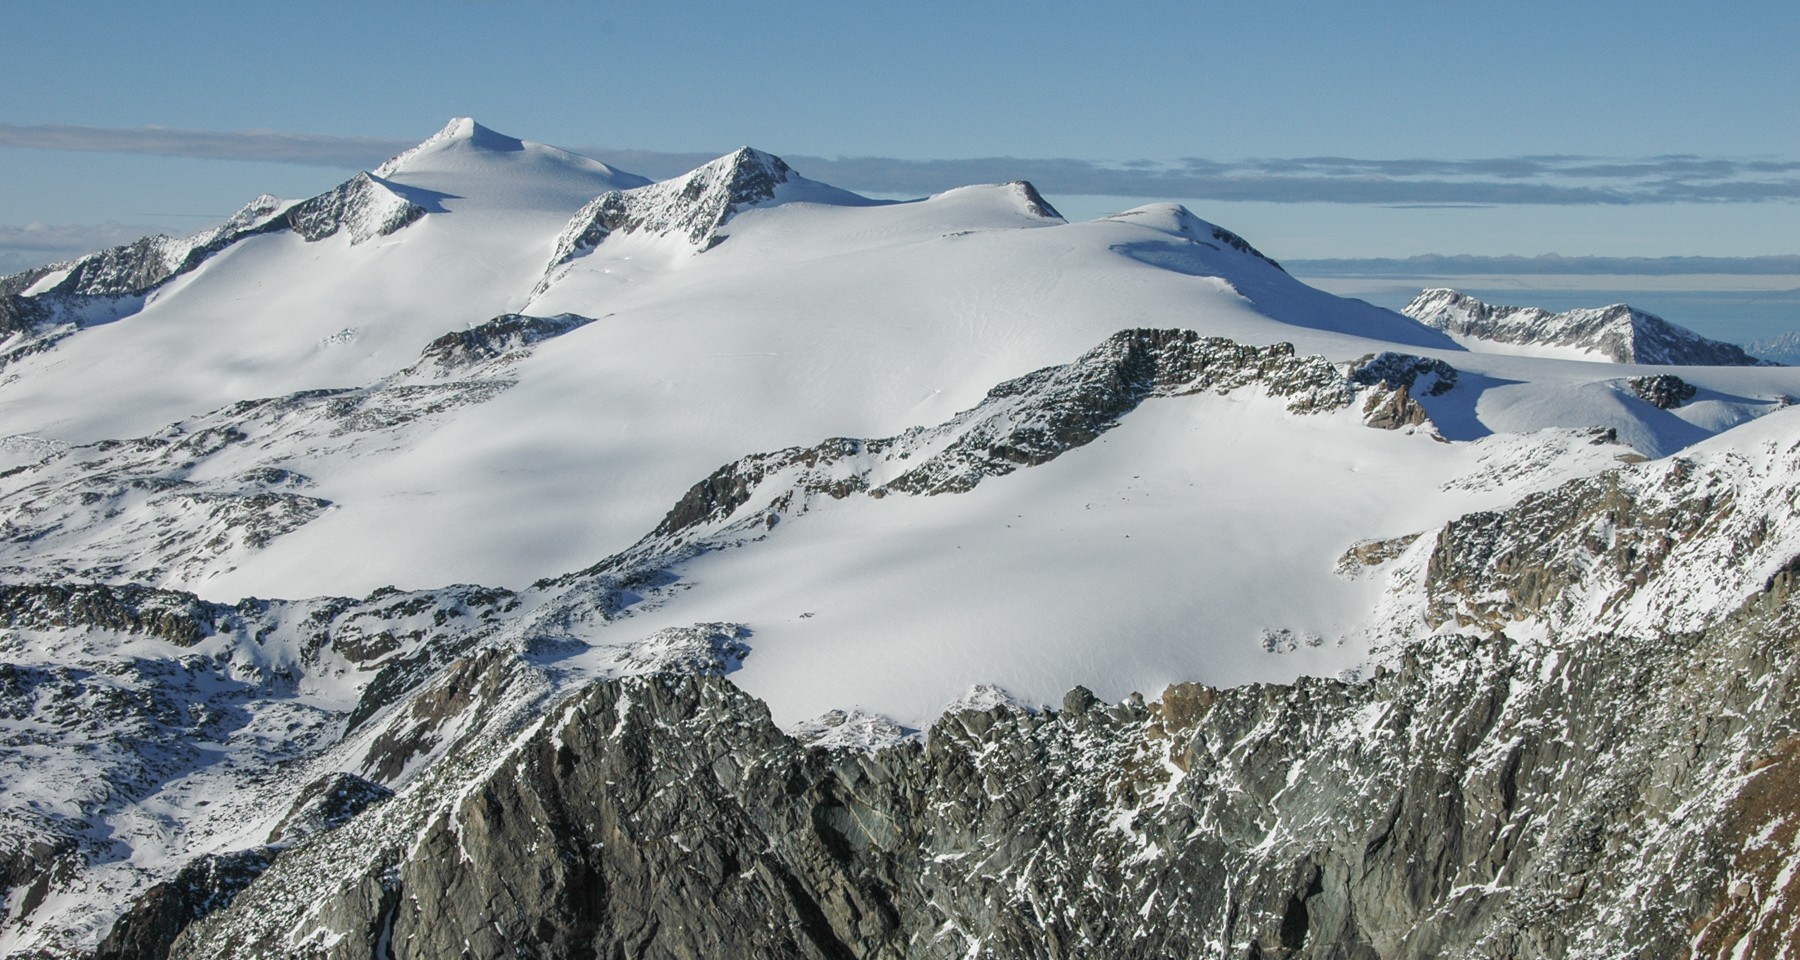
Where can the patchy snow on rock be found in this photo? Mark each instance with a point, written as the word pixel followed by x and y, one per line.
pixel 1615 334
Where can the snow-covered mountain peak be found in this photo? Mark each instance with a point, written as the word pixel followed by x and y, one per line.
pixel 1173 218
pixel 478 166
pixel 254 213
pixel 694 206
pixel 751 173
pixel 1616 333
pixel 1033 201
pixel 461 133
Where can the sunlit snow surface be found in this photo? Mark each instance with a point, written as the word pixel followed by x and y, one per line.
pixel 1203 538
pixel 818 319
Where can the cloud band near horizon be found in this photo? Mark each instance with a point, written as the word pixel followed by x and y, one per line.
pixel 1542 180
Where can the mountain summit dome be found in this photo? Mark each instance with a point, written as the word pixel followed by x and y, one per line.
pixel 460 134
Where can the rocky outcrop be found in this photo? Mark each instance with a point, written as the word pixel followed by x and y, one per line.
pixel 21 316
pixel 1396 377
pixel 1033 201
pixel 326 804
pixel 1618 333
pixel 114 282
pixel 1021 423
pixel 1035 418
pixel 1664 390
pixel 180 618
pixel 696 206
pixel 1640 550
pixel 115 279
pixel 206 884
pixel 364 207
pixel 693 206
pixel 143 265
pixel 1475 800
pixel 504 338
pixel 1182 222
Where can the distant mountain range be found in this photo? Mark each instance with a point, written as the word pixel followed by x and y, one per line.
pixel 1783 349
pixel 1617 333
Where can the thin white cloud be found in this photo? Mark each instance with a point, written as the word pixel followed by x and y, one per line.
pixel 261 145
pixel 1463 265
pixel 34 244
pixel 1549 180
pixel 1498 181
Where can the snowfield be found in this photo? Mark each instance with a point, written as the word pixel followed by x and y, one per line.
pixel 403 438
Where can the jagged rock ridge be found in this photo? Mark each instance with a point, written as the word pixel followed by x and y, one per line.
pixel 693 206
pixel 1023 423
pixel 1618 333
pixel 1472 801
pixel 364 207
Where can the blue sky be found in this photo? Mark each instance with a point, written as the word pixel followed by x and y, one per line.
pixel 1318 129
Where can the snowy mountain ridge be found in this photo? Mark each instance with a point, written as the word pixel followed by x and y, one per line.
pixel 693 207
pixel 938 578
pixel 1781 349
pixel 1614 334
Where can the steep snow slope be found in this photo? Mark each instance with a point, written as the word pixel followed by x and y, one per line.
pixel 818 320
pixel 909 313
pixel 1193 542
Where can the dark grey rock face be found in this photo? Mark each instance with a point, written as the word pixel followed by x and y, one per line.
pixel 180 618
pixel 1665 390
pixel 32 861
pixel 1035 203
pixel 1483 799
pixel 20 315
pixel 362 206
pixel 206 884
pixel 502 337
pixel 1241 245
pixel 1073 404
pixel 1428 376
pixel 695 206
pixel 1397 377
